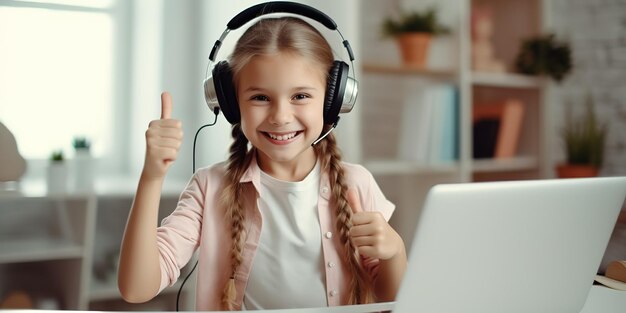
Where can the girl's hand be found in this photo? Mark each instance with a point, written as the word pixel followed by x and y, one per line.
pixel 163 139
pixel 372 235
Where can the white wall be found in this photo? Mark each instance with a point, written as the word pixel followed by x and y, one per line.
pixel 171 51
pixel 146 63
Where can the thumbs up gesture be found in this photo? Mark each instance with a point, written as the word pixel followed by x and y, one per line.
pixel 371 234
pixel 163 140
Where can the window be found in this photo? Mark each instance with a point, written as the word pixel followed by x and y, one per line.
pixel 61 72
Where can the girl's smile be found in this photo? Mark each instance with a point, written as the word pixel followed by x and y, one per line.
pixel 282 138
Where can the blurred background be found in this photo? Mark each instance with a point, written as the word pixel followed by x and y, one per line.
pixel 503 90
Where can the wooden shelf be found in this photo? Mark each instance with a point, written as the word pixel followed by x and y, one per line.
pixel 506 80
pixel 395 167
pixel 37 190
pixel 41 249
pixel 520 163
pixel 395 69
pixel 112 186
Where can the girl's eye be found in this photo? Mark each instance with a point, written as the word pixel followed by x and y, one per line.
pixel 259 98
pixel 301 96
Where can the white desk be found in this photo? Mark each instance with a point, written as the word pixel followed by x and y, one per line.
pixel 605 300
pixel 600 300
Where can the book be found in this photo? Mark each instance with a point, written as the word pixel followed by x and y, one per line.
pixel 508 115
pixel 444 131
pixel 429 125
pixel 415 124
pixel 485 137
pixel 510 129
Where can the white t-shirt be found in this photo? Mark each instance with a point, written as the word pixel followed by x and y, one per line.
pixel 287 270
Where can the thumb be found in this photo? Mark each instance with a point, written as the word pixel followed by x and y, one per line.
pixel 166 105
pixel 354 202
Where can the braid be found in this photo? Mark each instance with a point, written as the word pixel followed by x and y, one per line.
pixel 360 284
pixel 232 200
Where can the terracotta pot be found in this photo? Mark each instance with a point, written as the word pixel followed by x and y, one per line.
pixel 576 171
pixel 414 48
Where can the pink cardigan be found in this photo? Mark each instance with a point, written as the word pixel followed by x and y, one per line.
pixel 199 222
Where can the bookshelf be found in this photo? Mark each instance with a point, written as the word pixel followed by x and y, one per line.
pixel 386 85
pixel 55 238
pixel 47 238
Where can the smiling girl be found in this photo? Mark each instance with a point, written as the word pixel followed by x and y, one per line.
pixel 283 223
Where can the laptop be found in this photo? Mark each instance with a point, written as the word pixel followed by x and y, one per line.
pixel 516 246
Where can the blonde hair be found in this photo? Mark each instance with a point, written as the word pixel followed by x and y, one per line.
pixel 287 35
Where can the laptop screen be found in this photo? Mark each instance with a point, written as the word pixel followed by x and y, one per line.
pixel 516 246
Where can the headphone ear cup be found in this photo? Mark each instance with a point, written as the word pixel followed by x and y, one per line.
pixel 225 91
pixel 335 89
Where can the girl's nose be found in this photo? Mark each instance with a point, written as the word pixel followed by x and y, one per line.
pixel 281 113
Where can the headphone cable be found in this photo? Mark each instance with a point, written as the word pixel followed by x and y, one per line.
pixel 193 165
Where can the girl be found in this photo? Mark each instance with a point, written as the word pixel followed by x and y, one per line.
pixel 282 223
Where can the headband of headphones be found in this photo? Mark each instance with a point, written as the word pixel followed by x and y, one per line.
pixel 261 9
pixel 347 87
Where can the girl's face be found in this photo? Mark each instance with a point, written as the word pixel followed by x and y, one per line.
pixel 281 99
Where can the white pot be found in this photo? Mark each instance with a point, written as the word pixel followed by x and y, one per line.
pixel 83 171
pixel 56 178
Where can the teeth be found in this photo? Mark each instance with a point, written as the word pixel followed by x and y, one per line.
pixel 282 137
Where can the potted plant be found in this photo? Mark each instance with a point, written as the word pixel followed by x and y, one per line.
pixel 544 55
pixel 56 176
pixel 584 140
pixel 81 144
pixel 413 31
pixel 83 165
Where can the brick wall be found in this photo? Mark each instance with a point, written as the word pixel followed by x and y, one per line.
pixel 596 30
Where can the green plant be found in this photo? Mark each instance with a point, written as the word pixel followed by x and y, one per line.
pixel 544 55
pixel 584 137
pixel 413 21
pixel 81 143
pixel 57 156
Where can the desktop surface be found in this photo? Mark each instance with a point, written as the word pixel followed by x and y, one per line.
pixel 600 300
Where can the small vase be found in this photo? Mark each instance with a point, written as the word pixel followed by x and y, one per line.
pixel 576 171
pixel 56 178
pixel 414 48
pixel 83 171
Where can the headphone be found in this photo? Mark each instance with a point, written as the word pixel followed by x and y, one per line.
pixel 219 90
